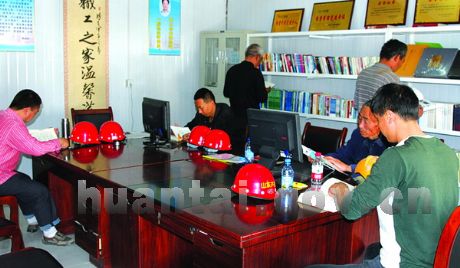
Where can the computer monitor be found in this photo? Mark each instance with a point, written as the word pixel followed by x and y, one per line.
pixel 274 131
pixel 155 117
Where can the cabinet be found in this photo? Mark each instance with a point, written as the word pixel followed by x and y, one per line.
pixel 359 43
pixel 219 51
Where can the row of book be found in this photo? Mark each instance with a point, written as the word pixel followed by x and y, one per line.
pixel 309 64
pixel 310 103
pixel 441 116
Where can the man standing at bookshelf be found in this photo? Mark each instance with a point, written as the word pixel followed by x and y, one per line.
pixel 365 140
pixel 34 199
pixel 245 88
pixel 370 79
pixel 414 185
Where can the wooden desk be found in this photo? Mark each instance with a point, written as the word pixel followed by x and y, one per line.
pixel 151 230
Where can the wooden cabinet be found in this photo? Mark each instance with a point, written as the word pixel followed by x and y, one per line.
pixel 359 43
pixel 219 51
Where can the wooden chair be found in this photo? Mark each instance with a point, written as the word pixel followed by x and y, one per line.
pixel 95 116
pixel 322 139
pixel 448 251
pixel 29 257
pixel 10 227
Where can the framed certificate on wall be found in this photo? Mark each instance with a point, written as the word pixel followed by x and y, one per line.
pixel 288 20
pixel 331 16
pixel 445 11
pixel 386 12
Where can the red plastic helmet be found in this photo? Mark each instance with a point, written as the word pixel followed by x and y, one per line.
pixel 84 133
pixel 255 180
pixel 85 155
pixel 111 150
pixel 111 131
pixel 217 140
pixel 197 136
pixel 254 213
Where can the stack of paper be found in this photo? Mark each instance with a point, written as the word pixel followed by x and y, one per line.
pixel 321 199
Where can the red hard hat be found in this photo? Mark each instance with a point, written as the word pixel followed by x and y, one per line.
pixel 254 213
pixel 111 150
pixel 84 133
pixel 85 154
pixel 255 180
pixel 217 140
pixel 111 131
pixel 197 136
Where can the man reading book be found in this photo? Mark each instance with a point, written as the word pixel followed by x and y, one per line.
pixel 414 185
pixel 211 114
pixel 365 140
pixel 34 199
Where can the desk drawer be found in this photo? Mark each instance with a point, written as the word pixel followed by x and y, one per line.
pixel 211 252
pixel 87 239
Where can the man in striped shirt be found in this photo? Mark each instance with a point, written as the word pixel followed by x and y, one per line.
pixel 370 79
pixel 34 198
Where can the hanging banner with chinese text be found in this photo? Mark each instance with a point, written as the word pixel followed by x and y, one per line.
pixel 164 27
pixel 16 25
pixel 86 54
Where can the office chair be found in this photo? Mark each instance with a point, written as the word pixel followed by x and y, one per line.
pixel 10 227
pixel 95 116
pixel 448 251
pixel 322 139
pixel 29 257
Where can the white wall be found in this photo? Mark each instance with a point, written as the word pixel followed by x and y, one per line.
pixel 163 77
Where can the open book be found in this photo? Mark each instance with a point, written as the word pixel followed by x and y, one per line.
pixel 321 199
pixel 311 153
pixel 178 132
pixel 44 134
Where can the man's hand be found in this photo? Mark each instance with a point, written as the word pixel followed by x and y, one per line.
pixel 338 191
pixel 339 165
pixel 64 143
pixel 186 137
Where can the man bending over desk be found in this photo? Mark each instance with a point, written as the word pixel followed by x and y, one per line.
pixel 415 183
pixel 34 199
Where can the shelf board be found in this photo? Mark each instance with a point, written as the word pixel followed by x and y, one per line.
pixel 431 80
pixel 351 77
pixel 442 132
pixel 330 118
pixel 312 76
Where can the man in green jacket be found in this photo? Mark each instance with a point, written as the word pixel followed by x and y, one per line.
pixel 414 185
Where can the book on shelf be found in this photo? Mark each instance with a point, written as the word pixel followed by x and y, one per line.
pixel 436 62
pixel 44 134
pixel 454 72
pixel 414 53
pixel 441 116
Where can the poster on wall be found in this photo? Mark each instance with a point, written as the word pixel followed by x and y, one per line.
pixel 164 27
pixel 85 54
pixel 16 25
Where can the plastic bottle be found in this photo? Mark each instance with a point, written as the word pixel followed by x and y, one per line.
pixel 287 173
pixel 248 153
pixel 317 170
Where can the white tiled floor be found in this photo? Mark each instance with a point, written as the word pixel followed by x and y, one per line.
pixel 69 256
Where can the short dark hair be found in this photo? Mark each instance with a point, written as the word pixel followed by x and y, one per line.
pixel 25 98
pixel 397 98
pixel 205 94
pixel 393 48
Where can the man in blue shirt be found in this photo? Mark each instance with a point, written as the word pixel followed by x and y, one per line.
pixel 365 140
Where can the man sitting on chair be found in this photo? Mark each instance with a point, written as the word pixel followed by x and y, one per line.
pixel 365 140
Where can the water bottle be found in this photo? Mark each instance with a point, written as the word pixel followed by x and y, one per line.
pixel 248 153
pixel 287 173
pixel 317 170
pixel 65 128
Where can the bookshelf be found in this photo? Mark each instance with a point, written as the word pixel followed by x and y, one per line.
pixel 358 43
